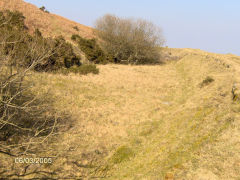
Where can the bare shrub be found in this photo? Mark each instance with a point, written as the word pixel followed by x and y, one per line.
pixel 136 41
pixel 25 118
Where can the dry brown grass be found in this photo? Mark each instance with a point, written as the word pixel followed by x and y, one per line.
pixel 149 122
pixel 50 25
pixel 138 122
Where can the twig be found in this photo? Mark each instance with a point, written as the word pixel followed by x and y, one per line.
pixel 3 152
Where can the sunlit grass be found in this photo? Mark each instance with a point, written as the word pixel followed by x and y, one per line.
pixel 151 122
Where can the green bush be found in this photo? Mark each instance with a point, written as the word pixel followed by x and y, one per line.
pixel 12 20
pixel 24 48
pixel 62 54
pixel 206 81
pixel 91 49
pixel 13 31
pixel 56 54
pixel 76 28
pixel 44 9
pixel 83 69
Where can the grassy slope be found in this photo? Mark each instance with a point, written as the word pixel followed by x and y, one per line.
pixel 49 24
pixel 151 122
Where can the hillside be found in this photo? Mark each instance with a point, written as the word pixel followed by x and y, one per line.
pixel 49 24
pixel 147 122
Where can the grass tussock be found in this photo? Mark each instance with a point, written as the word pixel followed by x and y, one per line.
pixel 206 81
pixel 84 69
pixel 123 153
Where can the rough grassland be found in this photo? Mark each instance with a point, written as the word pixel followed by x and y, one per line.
pixel 149 122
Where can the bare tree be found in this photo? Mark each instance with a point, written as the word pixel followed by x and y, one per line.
pixel 136 41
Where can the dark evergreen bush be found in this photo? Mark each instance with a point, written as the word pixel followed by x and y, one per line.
pixel 62 55
pixel 91 49
pixel 44 9
pixel 23 48
pixel 76 28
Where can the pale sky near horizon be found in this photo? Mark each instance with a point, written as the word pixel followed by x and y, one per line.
pixel 211 25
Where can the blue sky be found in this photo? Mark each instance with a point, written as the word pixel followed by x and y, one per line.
pixel 211 25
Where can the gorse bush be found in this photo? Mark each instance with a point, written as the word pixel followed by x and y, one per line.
pixel 44 9
pixel 12 32
pixel 91 49
pixel 64 54
pixel 60 53
pixel 76 28
pixel 12 20
pixel 129 40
